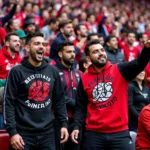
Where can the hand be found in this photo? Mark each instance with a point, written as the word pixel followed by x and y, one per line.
pixel 74 136
pixel 17 142
pixel 64 135
pixel 147 43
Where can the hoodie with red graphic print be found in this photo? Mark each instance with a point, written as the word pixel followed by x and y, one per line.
pixel 102 98
pixel 29 96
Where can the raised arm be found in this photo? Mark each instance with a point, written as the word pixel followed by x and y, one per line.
pixel 129 70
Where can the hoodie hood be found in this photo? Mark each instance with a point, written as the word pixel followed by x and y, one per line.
pixel 26 63
pixel 92 70
pixel 6 53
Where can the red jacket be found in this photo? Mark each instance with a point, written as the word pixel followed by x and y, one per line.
pixel 107 107
pixel 143 133
pixel 7 62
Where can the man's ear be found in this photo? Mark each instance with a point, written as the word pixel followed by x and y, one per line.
pixel 7 43
pixel 88 58
pixel 108 44
pixel 60 54
pixel 27 48
pixel 61 30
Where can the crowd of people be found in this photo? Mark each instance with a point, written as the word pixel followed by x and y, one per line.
pixel 75 74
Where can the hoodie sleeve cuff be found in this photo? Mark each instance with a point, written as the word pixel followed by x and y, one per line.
pixel 12 132
pixel 65 125
pixel 76 127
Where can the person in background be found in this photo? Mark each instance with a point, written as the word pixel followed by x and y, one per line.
pixel 9 57
pixel 22 37
pixel 114 54
pixel 84 63
pixel 130 51
pixel 70 78
pixel 66 31
pixel 143 131
pixel 50 29
pixel 80 41
pixel 138 97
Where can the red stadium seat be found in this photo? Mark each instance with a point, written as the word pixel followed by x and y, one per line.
pixel 4 140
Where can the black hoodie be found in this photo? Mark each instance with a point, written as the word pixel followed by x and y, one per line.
pixel 29 95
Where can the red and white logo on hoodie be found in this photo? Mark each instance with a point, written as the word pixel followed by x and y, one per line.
pixel 102 92
pixel 39 91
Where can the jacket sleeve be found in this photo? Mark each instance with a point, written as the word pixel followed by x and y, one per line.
pixel 132 111
pixel 59 103
pixel 70 102
pixel 145 120
pixel 10 94
pixel 129 70
pixel 80 111
pixel 9 16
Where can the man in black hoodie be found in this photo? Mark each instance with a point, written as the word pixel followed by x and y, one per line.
pixel 70 78
pixel 31 89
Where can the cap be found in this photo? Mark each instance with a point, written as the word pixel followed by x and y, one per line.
pixel 21 33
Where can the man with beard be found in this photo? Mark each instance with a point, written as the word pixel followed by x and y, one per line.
pixel 102 102
pixel 66 31
pixel 70 78
pixel 9 57
pixel 80 41
pixel 31 89
pixel 114 55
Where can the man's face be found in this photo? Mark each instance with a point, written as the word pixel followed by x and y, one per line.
pixel 97 55
pixel 113 43
pixel 131 38
pixel 83 31
pixel 37 48
pixel 30 28
pixel 67 56
pixel 14 43
pixel 144 38
pixel 68 30
pixel 54 26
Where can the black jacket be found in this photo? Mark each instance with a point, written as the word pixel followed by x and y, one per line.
pixel 29 95
pixel 114 56
pixel 70 79
pixel 137 100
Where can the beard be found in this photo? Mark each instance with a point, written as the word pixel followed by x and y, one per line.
pixel 69 61
pixel 34 57
pixel 98 63
pixel 13 49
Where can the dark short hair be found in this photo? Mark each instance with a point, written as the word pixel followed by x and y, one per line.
pixel 77 27
pixel 64 22
pixel 7 38
pixel 109 38
pixel 52 20
pixel 82 60
pixel 93 42
pixel 63 44
pixel 32 35
pixel 90 35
